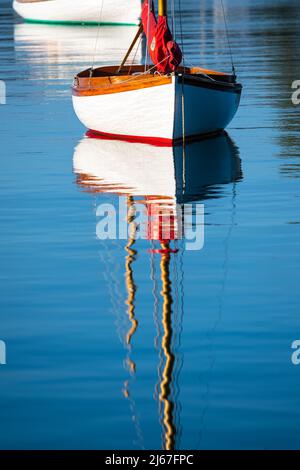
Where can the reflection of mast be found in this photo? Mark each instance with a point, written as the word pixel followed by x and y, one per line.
pixel 167 373
pixel 163 227
pixel 131 288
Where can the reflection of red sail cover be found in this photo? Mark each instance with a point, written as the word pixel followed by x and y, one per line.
pixel 164 51
pixel 162 221
pixel 163 226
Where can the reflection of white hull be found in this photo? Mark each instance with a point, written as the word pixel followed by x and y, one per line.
pixel 80 11
pixel 157 176
pixel 155 113
pixel 126 168
pixel 144 170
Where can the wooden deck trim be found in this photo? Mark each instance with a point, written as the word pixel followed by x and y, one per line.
pixel 117 84
pixel 106 80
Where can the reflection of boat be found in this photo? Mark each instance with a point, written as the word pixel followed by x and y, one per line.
pixel 58 46
pixel 161 103
pixel 175 173
pixel 161 177
pixel 79 11
pixel 165 177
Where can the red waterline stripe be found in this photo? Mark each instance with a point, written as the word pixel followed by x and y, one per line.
pixel 156 141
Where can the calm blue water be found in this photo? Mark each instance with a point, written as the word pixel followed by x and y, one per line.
pixel 110 345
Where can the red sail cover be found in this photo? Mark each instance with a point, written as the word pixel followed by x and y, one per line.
pixel 164 51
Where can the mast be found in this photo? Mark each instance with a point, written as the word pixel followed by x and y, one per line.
pixel 162 7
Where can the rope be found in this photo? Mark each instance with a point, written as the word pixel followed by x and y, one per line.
pixel 181 32
pixel 134 77
pixel 202 73
pixel 144 73
pixel 228 39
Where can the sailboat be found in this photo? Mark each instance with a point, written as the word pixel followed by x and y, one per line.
pixel 157 104
pixel 78 11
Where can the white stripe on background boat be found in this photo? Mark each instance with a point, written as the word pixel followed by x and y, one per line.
pixel 80 11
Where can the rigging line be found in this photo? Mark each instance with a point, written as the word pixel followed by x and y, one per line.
pixel 201 73
pixel 181 32
pixel 156 323
pixel 221 302
pixel 183 137
pixel 131 289
pixel 167 347
pixel 113 285
pixel 137 75
pixel 173 19
pixel 147 72
pixel 98 36
pixel 135 53
pixel 148 34
pixel 227 36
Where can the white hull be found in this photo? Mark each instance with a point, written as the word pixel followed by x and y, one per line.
pixel 80 11
pixel 147 112
pixel 156 112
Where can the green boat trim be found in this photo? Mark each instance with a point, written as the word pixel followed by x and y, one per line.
pixel 78 23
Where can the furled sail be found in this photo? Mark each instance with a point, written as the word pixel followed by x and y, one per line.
pixel 165 53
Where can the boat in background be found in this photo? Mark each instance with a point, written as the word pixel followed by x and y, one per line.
pixel 158 104
pixel 80 12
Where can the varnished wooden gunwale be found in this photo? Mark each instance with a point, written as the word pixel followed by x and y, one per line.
pixel 106 80
pixel 117 84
